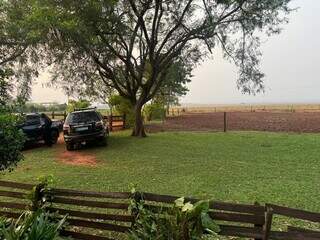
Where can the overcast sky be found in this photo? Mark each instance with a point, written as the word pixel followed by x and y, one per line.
pixel 291 62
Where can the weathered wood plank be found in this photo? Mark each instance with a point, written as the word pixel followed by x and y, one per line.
pixel 12 205
pixel 241 208
pixel 97 225
pixel 24 186
pixel 294 236
pixel 12 194
pixel 91 215
pixel 298 229
pixel 237 217
pixel 82 236
pixel 236 231
pixel 163 198
pixel 295 213
pixel 87 203
pixel 75 193
pixel 10 214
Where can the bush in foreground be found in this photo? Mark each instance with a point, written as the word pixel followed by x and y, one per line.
pixel 38 225
pixel 185 221
pixel 11 141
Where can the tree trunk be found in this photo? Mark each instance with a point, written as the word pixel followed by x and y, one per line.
pixel 138 128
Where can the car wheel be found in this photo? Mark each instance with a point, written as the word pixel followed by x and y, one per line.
pixel 69 146
pixel 54 137
pixel 103 141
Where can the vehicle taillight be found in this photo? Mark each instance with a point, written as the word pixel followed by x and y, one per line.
pixel 99 124
pixel 66 128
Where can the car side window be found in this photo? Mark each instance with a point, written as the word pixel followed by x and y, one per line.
pixel 32 120
pixel 42 121
pixel 100 116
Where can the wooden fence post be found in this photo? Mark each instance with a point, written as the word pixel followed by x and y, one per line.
pixel 268 223
pixel 110 122
pixel 37 197
pixel 258 225
pixel 52 115
pixel 137 197
pixel 225 121
pixel 124 122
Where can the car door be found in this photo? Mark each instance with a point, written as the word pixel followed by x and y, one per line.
pixel 33 128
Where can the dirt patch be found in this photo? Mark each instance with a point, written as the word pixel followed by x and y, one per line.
pixel 75 158
pixel 301 122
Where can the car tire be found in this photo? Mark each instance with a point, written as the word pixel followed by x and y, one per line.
pixel 69 146
pixel 54 137
pixel 103 141
pixel 48 142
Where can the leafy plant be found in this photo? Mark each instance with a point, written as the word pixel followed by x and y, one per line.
pixel 39 194
pixel 82 103
pixel 38 225
pixel 122 106
pixel 11 141
pixel 185 221
pixel 154 111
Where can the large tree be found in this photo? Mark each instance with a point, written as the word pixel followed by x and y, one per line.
pixel 120 39
pixel 175 84
pixel 18 57
pixel 19 52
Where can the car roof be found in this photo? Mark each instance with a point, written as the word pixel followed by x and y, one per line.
pixel 33 114
pixel 86 110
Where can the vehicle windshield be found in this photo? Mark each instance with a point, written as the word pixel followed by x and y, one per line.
pixel 32 120
pixel 82 117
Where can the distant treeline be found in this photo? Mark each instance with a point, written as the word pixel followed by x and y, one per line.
pixel 38 107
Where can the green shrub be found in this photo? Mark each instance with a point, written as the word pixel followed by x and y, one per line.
pixel 82 103
pixel 11 141
pixel 184 221
pixel 154 111
pixel 38 225
pixel 121 106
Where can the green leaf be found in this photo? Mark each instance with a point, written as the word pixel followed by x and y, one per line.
pixel 209 224
pixel 179 202
pixel 187 207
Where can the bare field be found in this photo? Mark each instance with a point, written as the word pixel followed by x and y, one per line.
pixel 300 122
pixel 205 108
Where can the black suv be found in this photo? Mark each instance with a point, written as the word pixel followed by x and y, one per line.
pixel 84 125
pixel 38 127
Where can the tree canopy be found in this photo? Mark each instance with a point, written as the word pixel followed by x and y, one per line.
pixel 120 40
pixel 19 53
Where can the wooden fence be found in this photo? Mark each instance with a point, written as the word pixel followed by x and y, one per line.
pixel 60 115
pixel 116 122
pixel 105 215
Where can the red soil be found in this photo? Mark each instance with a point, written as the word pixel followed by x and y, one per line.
pixel 75 158
pixel 300 122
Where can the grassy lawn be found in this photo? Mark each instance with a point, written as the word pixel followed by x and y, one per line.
pixel 238 167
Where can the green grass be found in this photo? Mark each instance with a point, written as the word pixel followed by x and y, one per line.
pixel 237 167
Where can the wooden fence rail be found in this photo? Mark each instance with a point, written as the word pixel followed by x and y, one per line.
pixel 54 115
pixel 117 122
pixel 105 215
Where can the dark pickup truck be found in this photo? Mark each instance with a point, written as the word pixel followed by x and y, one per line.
pixel 39 127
